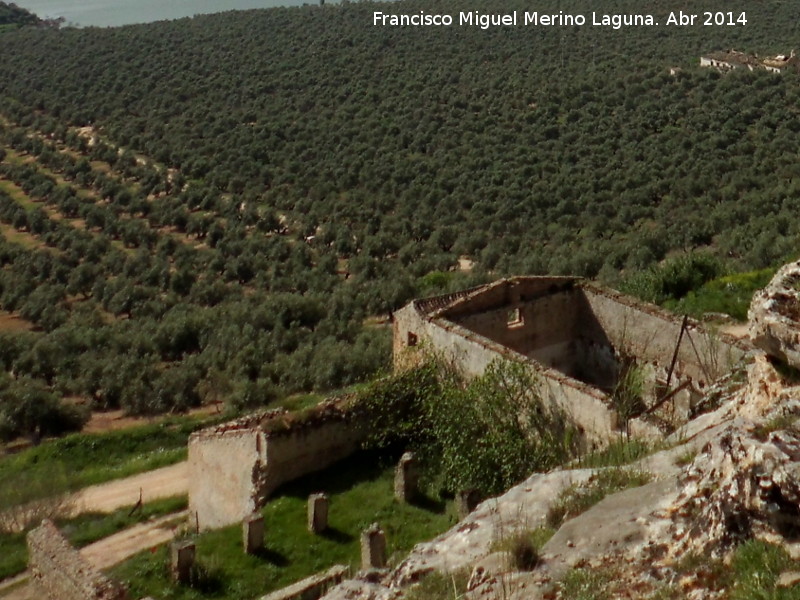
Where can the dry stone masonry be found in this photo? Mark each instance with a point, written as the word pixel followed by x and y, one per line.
pixel 58 572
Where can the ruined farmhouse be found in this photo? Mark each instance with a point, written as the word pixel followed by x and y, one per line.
pixel 735 60
pixel 581 340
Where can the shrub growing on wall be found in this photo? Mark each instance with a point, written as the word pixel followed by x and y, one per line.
pixel 494 431
pixel 487 434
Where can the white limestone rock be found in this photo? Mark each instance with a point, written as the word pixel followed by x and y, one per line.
pixel 775 316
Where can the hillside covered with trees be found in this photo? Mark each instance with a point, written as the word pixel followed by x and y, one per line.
pixel 13 15
pixel 216 207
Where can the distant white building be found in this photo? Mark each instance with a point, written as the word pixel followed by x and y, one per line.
pixel 732 59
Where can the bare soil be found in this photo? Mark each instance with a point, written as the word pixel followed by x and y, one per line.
pixel 12 322
pixel 113 420
pixel 108 497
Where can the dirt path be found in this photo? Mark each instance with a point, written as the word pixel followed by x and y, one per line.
pixel 160 483
pixel 121 546
pixel 109 551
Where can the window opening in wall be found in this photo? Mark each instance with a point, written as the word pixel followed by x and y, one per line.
pixel 514 317
pixel 412 339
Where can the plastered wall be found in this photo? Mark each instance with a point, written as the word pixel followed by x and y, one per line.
pixel 651 334
pixel 473 353
pixel 59 572
pixel 223 469
pixel 234 468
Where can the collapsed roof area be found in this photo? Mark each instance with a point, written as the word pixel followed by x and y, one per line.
pixel 587 344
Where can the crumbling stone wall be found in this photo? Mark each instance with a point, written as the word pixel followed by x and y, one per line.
pixel 651 334
pixel 234 468
pixel 586 406
pixel 307 447
pixel 578 338
pixel 59 572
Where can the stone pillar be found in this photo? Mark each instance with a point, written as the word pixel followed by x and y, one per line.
pixel 406 478
pixel 466 501
pixel 373 548
pixel 317 513
pixel 182 560
pixel 253 533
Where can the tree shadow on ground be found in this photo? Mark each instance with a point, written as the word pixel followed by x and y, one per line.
pixel 273 556
pixel 337 535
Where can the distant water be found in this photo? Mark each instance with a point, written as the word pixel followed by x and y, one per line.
pixel 104 13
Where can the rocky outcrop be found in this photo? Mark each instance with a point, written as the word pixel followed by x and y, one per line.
pixel 737 488
pixel 775 316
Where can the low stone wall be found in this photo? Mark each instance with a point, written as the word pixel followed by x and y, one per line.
pixel 320 439
pixel 59 572
pixel 235 467
pixel 312 587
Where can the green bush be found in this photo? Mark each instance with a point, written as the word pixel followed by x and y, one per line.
pixel 674 278
pixel 586 584
pixel 492 432
pixel 730 295
pixel 486 434
pixel 95 458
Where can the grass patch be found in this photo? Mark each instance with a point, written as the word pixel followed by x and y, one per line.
pixel 586 584
pixel 440 586
pixel 13 554
pixel 96 458
pixel 623 451
pixel 360 491
pixel 16 193
pixel 756 567
pixel 577 499
pixel 752 572
pixel 730 295
pixel 20 238
pixel 523 547
pixel 685 458
pixel 83 530
pixel 90 527
pixel 780 422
